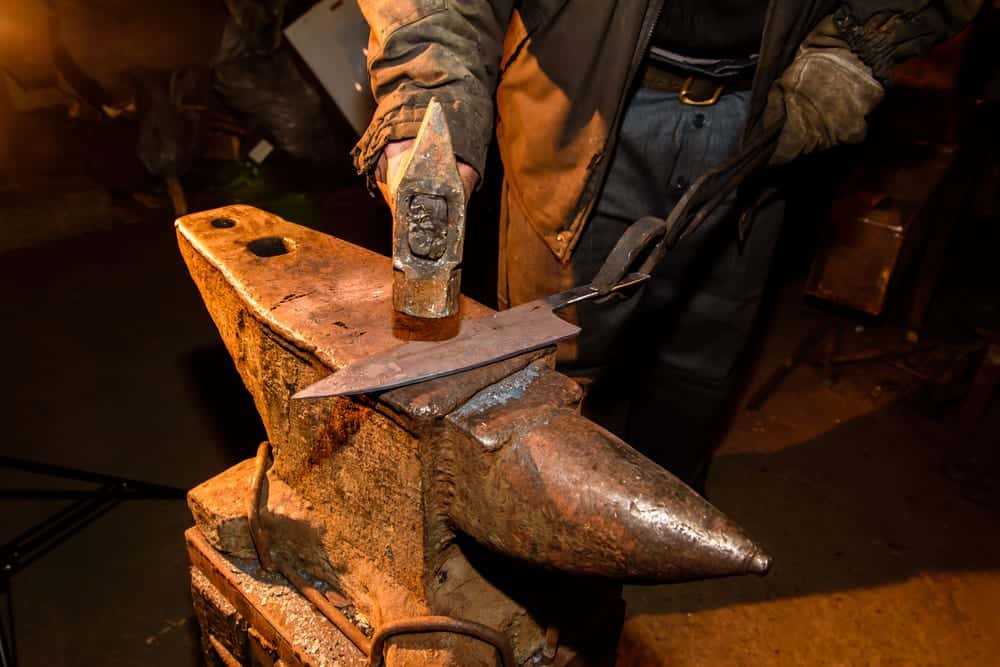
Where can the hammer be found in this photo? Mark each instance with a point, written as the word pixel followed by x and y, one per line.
pixel 428 224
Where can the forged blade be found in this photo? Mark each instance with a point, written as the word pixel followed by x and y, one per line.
pixel 479 342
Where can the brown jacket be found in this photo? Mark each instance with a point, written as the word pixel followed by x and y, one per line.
pixel 559 71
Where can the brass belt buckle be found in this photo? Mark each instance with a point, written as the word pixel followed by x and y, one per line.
pixel 687 99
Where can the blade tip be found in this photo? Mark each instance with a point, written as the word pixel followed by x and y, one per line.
pixel 312 391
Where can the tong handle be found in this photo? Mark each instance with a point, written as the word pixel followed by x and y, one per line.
pixel 642 240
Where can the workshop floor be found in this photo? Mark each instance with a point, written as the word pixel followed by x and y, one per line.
pixel 881 556
pixel 112 365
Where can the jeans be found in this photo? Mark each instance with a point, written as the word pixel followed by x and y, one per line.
pixel 663 365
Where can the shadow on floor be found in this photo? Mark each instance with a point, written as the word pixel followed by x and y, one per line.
pixel 865 504
pixel 112 365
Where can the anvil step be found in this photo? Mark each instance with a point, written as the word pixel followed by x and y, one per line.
pixel 382 493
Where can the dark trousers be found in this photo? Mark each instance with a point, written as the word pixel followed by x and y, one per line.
pixel 664 367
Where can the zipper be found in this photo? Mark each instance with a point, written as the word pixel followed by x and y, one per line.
pixel 609 145
pixel 649 37
pixel 640 53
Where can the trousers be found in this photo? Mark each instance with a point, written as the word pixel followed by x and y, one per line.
pixel 661 368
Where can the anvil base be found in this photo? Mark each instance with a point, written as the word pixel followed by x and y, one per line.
pixel 250 617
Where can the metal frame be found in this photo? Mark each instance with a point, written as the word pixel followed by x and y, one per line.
pixel 50 532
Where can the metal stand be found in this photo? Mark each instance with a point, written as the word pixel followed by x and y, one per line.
pixel 86 507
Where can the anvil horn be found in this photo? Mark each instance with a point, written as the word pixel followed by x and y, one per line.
pixel 570 496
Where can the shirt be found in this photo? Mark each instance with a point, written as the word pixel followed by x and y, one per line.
pixel 711 28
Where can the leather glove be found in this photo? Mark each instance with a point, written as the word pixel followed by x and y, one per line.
pixel 824 96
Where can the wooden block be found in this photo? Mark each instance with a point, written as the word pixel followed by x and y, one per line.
pixel 273 608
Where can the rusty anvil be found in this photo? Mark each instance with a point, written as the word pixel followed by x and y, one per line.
pixel 428 224
pixel 482 500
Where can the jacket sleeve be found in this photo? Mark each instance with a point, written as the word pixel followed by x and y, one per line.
pixel 419 49
pixel 885 32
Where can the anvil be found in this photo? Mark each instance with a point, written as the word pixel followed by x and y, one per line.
pixel 484 497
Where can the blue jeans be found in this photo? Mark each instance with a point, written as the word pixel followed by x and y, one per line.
pixel 664 366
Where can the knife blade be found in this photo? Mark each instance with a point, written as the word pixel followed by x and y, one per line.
pixel 479 342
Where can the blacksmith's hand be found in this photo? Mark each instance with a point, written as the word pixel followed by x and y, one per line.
pixel 824 96
pixel 389 170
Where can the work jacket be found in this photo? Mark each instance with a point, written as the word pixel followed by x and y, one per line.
pixel 559 72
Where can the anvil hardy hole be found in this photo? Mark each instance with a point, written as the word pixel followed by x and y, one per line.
pixel 223 223
pixel 269 246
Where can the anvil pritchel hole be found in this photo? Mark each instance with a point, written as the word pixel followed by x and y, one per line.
pixel 223 223
pixel 269 246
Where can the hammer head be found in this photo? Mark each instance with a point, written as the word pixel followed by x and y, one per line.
pixel 428 228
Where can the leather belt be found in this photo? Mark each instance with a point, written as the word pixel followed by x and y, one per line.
pixel 694 89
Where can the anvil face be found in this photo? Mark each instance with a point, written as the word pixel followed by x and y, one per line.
pixel 444 497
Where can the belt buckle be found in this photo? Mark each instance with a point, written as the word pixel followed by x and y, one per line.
pixel 685 98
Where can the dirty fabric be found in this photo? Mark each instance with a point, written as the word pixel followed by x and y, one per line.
pixel 825 96
pixel 662 367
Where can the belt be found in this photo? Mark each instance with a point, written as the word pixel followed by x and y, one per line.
pixel 694 89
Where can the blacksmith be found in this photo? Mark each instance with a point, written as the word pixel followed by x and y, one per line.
pixel 607 111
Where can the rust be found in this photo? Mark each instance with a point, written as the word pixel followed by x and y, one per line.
pixel 326 608
pixel 223 653
pixel 258 496
pixel 429 224
pixel 344 425
pixel 242 585
pixel 329 608
pixel 258 499
pixel 336 599
pixel 427 624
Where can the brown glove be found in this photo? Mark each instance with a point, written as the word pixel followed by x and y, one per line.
pixel 824 96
